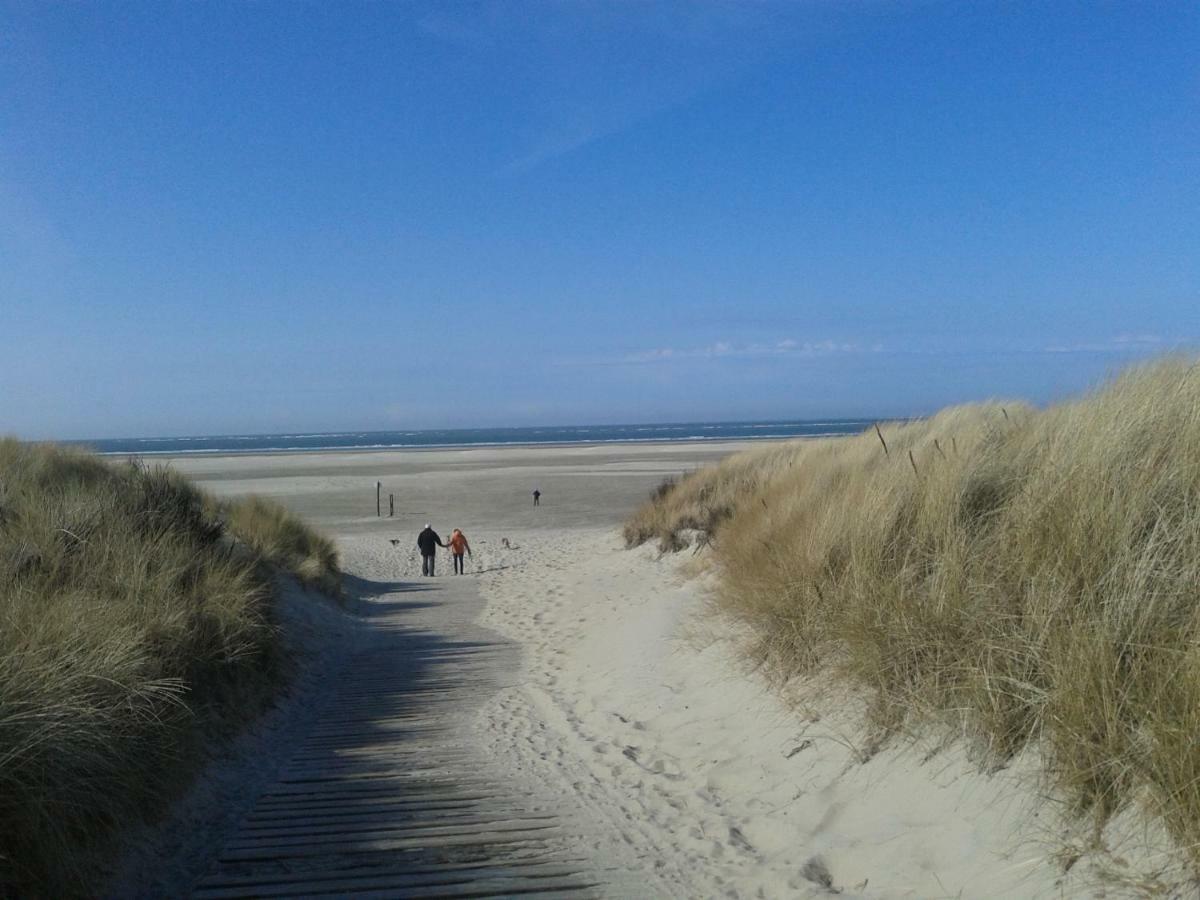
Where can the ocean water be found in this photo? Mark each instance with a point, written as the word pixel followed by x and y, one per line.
pixel 477 437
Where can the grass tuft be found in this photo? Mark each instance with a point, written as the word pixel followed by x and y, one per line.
pixel 1031 576
pixel 284 541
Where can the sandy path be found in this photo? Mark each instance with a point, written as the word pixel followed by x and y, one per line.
pixel 383 796
pixel 336 492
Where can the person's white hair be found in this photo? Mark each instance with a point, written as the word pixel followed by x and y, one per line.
pixel 427 525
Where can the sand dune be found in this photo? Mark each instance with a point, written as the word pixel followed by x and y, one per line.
pixel 636 701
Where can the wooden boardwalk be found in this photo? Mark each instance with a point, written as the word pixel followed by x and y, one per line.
pixel 385 797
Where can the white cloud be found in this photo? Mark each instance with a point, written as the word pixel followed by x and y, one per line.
pixel 731 350
pixel 1122 343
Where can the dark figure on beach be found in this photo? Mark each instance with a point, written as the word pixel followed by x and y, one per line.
pixel 428 542
pixel 537 497
pixel 458 544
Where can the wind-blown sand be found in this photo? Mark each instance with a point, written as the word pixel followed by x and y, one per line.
pixel 634 707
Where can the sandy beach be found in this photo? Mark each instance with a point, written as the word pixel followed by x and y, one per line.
pixel 630 706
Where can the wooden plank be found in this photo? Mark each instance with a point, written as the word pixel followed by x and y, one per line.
pixel 354 790
pixel 567 889
pixel 373 733
pixel 348 753
pixel 398 780
pixel 401 751
pixel 234 877
pixel 458 889
pixel 441 812
pixel 423 819
pixel 355 833
pixel 365 738
pixel 378 763
pixel 399 777
pixel 404 789
pixel 386 722
pixel 420 831
pixel 485 847
pixel 413 800
pixel 384 879
pixel 443 857
pixel 331 812
pixel 401 742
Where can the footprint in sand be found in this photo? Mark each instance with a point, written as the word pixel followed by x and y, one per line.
pixel 817 871
pixel 739 840
pixel 675 803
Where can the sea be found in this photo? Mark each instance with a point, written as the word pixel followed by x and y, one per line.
pixel 475 437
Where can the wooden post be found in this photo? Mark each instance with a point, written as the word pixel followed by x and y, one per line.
pixel 378 488
pixel 391 505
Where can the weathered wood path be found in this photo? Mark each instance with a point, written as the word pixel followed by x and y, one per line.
pixel 385 797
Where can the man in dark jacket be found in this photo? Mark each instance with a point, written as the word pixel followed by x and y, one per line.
pixel 428 542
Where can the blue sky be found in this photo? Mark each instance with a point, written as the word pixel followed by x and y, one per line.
pixel 266 217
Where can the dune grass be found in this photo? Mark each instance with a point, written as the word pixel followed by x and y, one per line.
pixel 135 624
pixel 1031 577
pixel 703 499
pixel 284 541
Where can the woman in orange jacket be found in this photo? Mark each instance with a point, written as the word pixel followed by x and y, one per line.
pixel 458 544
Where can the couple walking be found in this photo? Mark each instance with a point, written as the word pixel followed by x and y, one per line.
pixel 428 541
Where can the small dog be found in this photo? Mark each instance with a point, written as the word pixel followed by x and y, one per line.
pixel 395 542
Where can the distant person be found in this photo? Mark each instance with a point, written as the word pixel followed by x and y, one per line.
pixel 537 497
pixel 428 542
pixel 458 544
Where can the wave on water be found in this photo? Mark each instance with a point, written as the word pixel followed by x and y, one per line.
pixel 313 442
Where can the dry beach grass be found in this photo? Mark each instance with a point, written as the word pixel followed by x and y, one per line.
pixel 135 623
pixel 1030 577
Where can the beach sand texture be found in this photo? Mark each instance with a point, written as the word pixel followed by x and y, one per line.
pixel 608 700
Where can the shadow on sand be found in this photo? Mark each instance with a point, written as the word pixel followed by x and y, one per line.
pixel 390 790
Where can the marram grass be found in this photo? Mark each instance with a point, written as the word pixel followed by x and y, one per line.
pixel 135 623
pixel 1032 576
